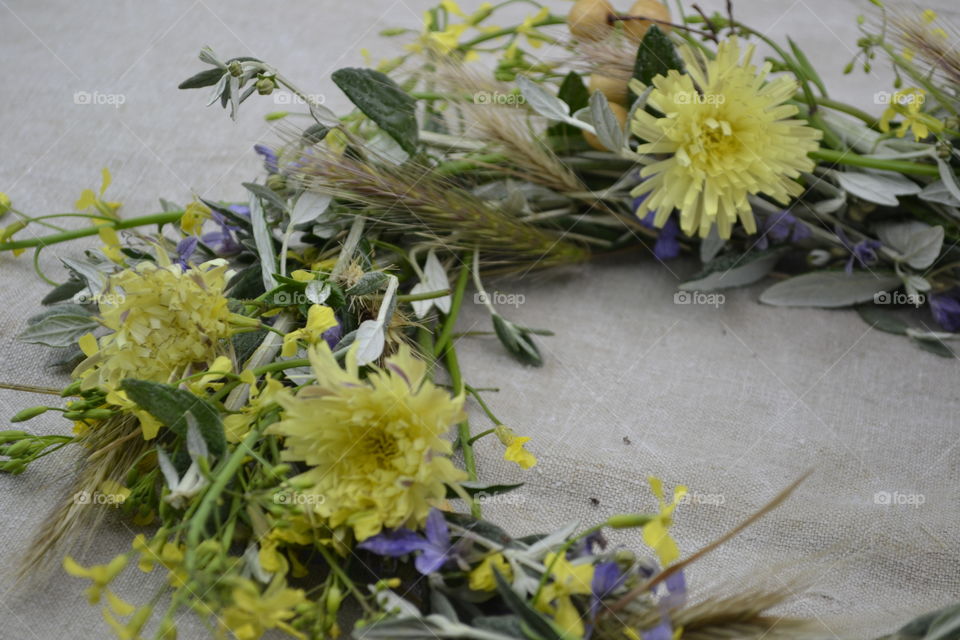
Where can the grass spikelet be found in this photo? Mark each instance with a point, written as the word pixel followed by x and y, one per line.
pixel 926 38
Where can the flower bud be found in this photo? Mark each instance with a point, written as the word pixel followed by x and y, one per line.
pixel 628 520
pixel 12 434
pixel 28 414
pixel 235 68
pixel 265 85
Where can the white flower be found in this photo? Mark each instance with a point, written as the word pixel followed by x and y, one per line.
pixel 193 481
pixel 433 278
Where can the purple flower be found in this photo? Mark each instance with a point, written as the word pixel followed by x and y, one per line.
pixel 332 336
pixel 667 245
pixel 945 308
pixel 864 252
pixel 780 227
pixel 269 157
pixel 676 591
pixel 607 577
pixel 222 242
pixel 185 249
pixel 435 549
pixel 662 631
pixel 589 545
pixel 242 210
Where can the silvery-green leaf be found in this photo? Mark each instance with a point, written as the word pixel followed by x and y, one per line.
pixel 310 207
pixel 387 148
pixel 369 341
pixel 642 93
pixel 711 245
pixel 918 243
pixel 300 375
pixel 734 271
pixel 543 102
pixel 830 205
pixel 828 289
pixel 264 242
pixel 880 188
pixel 317 291
pixel 95 276
pixel 609 132
pixel 949 179
pixel 59 329
pixel 946 626
pixel 938 192
pixel 852 132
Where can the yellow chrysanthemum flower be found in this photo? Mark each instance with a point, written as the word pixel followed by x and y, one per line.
pixel 162 319
pixel 727 134
pixel 376 446
pixel 908 104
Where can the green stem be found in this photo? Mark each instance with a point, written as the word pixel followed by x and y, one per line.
pixel 466 164
pixel 337 569
pixel 426 295
pixel 451 320
pixel 850 110
pixel 499 33
pixel 854 160
pixel 55 238
pixel 483 405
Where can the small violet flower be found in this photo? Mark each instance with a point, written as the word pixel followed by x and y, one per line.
pixel 781 227
pixel 223 241
pixel 435 548
pixel 863 252
pixel 185 250
pixel 667 245
pixel 945 308
pixel 269 158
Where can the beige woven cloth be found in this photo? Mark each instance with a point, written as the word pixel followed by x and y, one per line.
pixel 734 401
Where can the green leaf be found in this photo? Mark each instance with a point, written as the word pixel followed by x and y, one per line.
pixel 734 270
pixel 369 283
pixel 828 289
pixel 882 320
pixel 267 194
pixel 383 101
pixel 517 341
pixel 60 326
pixel 531 618
pixel 935 347
pixel 64 291
pixel 170 406
pixel 574 92
pixel 264 241
pixel 656 56
pixel 803 63
pixel 945 626
pixel 206 78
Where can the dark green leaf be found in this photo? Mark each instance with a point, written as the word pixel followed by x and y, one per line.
pixel 507 625
pixel 574 92
pixel 267 194
pixel 882 319
pixel 481 528
pixel 383 101
pixel 517 341
pixel 935 347
pixel 60 326
pixel 64 291
pixel 206 78
pixel 244 344
pixel 170 406
pixel 315 133
pixel 656 56
pixel 531 618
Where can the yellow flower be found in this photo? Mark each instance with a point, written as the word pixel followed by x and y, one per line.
pixel 568 580
pixel 908 104
pixel 90 199
pixel 5 204
pixel 101 575
pixel 656 533
pixel 482 577
pixel 375 446
pixel 319 319
pixel 111 246
pixel 727 135
pixel 253 613
pixel 193 217
pixel 132 629
pixel 6 233
pixel 528 27
pixel 162 320
pixel 515 451
pixel 117 493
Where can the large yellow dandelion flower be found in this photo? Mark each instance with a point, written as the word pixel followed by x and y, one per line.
pixel 376 446
pixel 162 320
pixel 727 134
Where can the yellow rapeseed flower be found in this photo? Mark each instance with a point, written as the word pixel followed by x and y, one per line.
pixel 656 533
pixel 101 575
pixel 162 319
pixel 555 598
pixel 194 215
pixel 253 613
pixel 726 134
pixel 515 451
pixel 320 318
pixel 482 577
pixel 376 446
pixel 908 104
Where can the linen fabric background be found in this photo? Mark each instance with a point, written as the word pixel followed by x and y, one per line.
pixel 735 401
